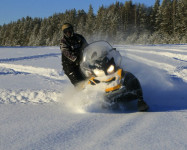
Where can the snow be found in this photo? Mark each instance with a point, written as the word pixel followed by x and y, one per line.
pixel 40 109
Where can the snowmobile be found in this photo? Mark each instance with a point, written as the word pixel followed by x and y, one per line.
pixel 101 65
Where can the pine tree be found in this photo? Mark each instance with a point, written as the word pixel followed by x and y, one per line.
pixel 141 22
pixel 42 37
pixel 174 6
pixel 129 16
pixel 181 15
pixel 100 28
pixel 153 14
pixel 166 24
pixel 115 28
pixel 90 22
pixel 70 16
pixel 81 21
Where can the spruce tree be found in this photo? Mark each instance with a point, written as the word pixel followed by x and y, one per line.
pixel 117 22
pixel 90 22
pixel 100 27
pixel 81 22
pixel 181 14
pixel 153 14
pixel 166 24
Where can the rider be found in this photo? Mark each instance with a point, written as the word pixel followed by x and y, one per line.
pixel 72 45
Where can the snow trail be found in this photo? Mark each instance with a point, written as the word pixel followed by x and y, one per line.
pixel 172 70
pixel 167 58
pixel 181 57
pixel 46 72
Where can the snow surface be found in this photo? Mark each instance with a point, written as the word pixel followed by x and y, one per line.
pixel 40 109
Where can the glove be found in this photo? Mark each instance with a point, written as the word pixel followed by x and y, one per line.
pixel 73 58
pixel 70 56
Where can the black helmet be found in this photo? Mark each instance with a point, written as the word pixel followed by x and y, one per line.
pixel 67 29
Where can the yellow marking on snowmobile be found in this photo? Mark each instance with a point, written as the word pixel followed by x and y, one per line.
pixel 119 73
pixel 110 79
pixel 91 80
pixel 113 88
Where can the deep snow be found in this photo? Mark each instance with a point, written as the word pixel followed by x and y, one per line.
pixel 40 109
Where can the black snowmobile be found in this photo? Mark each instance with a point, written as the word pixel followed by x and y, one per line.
pixel 101 64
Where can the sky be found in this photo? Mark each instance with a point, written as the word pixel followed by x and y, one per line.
pixel 12 10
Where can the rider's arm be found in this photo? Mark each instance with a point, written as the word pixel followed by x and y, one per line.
pixel 66 51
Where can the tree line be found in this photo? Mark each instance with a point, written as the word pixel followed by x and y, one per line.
pixel 119 23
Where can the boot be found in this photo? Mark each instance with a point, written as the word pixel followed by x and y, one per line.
pixel 142 106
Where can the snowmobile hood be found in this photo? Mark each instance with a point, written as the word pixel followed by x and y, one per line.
pixel 97 52
pixel 110 83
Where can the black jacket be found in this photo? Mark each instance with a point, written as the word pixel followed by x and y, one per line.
pixel 72 48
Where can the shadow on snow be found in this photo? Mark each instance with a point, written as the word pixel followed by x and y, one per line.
pixel 172 98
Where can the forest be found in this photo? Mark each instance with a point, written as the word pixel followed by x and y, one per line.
pixel 118 23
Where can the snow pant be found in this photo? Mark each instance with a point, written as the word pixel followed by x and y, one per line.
pixel 73 72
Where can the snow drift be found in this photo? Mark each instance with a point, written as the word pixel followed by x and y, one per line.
pixel 40 109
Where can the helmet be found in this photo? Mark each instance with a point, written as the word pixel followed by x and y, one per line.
pixel 67 29
pixel 66 26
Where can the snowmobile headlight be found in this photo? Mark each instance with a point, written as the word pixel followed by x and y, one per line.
pixel 98 72
pixel 84 59
pixel 110 69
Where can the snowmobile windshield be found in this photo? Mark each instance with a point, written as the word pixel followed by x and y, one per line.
pixel 98 51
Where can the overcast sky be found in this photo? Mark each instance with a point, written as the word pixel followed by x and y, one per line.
pixel 12 10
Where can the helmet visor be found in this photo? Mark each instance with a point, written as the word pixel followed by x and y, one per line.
pixel 68 32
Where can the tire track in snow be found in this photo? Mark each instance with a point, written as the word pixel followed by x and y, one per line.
pixel 46 72
pixel 115 128
pixel 76 135
pixel 180 57
pixel 68 136
pixel 173 49
pixel 29 96
pixel 172 70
